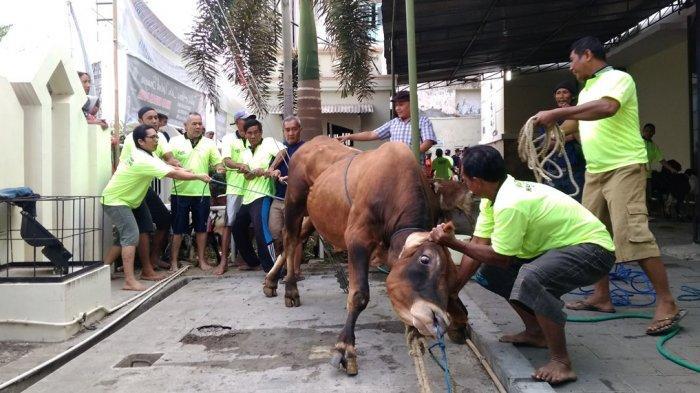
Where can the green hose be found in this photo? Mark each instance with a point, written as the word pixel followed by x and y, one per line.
pixel 659 343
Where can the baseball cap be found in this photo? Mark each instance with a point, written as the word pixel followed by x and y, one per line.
pixel 243 114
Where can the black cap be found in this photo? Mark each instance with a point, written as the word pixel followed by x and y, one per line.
pixel 402 95
pixel 569 85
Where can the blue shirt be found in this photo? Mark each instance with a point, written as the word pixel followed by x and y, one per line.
pixel 284 170
pixel 400 131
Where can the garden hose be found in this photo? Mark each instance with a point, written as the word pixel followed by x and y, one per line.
pixel 659 343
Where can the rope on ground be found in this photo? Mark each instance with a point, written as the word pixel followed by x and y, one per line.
pixel 417 348
pixel 627 283
pixel 537 149
pixel 416 345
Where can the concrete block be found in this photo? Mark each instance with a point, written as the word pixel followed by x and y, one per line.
pixel 49 309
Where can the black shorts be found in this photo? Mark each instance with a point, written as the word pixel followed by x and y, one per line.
pixel 182 206
pixel 159 213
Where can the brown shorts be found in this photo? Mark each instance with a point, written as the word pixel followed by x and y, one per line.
pixel 618 199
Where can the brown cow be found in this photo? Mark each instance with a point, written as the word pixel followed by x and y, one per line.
pixel 369 202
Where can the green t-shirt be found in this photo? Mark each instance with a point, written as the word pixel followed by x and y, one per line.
pixel 129 146
pixel 528 219
pixel 261 158
pixel 613 142
pixel 442 166
pixel 654 154
pixel 130 182
pixel 232 147
pixel 198 159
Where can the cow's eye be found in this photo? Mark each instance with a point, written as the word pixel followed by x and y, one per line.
pixel 424 259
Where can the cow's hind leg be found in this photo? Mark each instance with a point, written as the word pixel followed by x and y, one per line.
pixel 270 282
pixel 358 298
pixel 458 331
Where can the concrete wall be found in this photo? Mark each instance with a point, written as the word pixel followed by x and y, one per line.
pixel 456 132
pixel 663 93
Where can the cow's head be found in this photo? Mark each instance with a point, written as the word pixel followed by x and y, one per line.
pixel 422 285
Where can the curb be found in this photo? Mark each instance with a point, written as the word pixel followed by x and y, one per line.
pixel 510 366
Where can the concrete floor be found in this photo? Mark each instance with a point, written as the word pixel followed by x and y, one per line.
pixel 268 346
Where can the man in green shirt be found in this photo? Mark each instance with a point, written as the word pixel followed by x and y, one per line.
pixel 615 183
pixel 654 154
pixel 442 167
pixel 198 155
pixel 536 244
pixel 122 199
pixel 232 146
pixel 257 198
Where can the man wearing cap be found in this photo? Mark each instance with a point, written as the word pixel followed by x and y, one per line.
pixel 565 96
pixel 232 145
pixel 198 154
pixel 399 128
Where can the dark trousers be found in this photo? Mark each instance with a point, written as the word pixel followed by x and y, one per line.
pixel 159 213
pixel 257 212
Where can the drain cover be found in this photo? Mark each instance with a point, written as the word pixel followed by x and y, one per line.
pixel 139 360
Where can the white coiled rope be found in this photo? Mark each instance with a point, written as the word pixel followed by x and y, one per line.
pixel 537 151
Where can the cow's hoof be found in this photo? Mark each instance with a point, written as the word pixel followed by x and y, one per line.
pixel 338 360
pixel 458 335
pixel 269 291
pixel 292 301
pixel 351 367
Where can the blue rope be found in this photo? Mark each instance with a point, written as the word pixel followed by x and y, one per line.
pixel 692 295
pixel 627 283
pixel 443 365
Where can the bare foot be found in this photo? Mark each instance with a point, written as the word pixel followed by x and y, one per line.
pixel 525 339
pixel 204 266
pixel 162 264
pixel 555 372
pixel 152 276
pixel 173 267
pixel 220 269
pixel 133 286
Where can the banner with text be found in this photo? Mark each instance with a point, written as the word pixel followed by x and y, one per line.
pixel 146 86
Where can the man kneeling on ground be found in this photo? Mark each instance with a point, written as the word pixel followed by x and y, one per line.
pixel 535 244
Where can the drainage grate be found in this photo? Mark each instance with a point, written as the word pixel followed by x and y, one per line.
pixel 139 360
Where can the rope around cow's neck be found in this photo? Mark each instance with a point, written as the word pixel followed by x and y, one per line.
pixel 535 151
pixel 246 189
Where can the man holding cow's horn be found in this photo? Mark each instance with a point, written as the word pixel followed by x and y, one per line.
pixel 536 244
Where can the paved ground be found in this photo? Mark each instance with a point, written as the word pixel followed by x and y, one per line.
pixel 617 356
pixel 268 346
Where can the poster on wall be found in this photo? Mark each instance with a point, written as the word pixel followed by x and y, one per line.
pixel 492 116
pixel 146 86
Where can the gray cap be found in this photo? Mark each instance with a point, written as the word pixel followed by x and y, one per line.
pixel 242 114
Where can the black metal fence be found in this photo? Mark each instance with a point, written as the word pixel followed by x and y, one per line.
pixel 49 238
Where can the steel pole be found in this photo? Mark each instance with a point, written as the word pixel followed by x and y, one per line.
pixel 412 77
pixel 115 39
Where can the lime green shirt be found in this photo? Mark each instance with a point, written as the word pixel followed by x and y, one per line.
pixel 615 141
pixel 654 154
pixel 442 166
pixel 198 159
pixel 130 182
pixel 129 146
pixel 231 147
pixel 261 158
pixel 528 219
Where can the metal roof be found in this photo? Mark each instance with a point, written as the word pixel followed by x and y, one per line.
pixel 460 39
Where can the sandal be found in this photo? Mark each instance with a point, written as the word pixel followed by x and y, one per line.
pixel 662 326
pixel 582 305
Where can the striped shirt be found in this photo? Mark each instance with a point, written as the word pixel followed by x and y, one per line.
pixel 400 131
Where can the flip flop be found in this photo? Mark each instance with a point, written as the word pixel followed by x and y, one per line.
pixel 582 305
pixel 673 324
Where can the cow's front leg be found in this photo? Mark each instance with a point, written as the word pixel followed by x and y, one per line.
pixel 358 297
